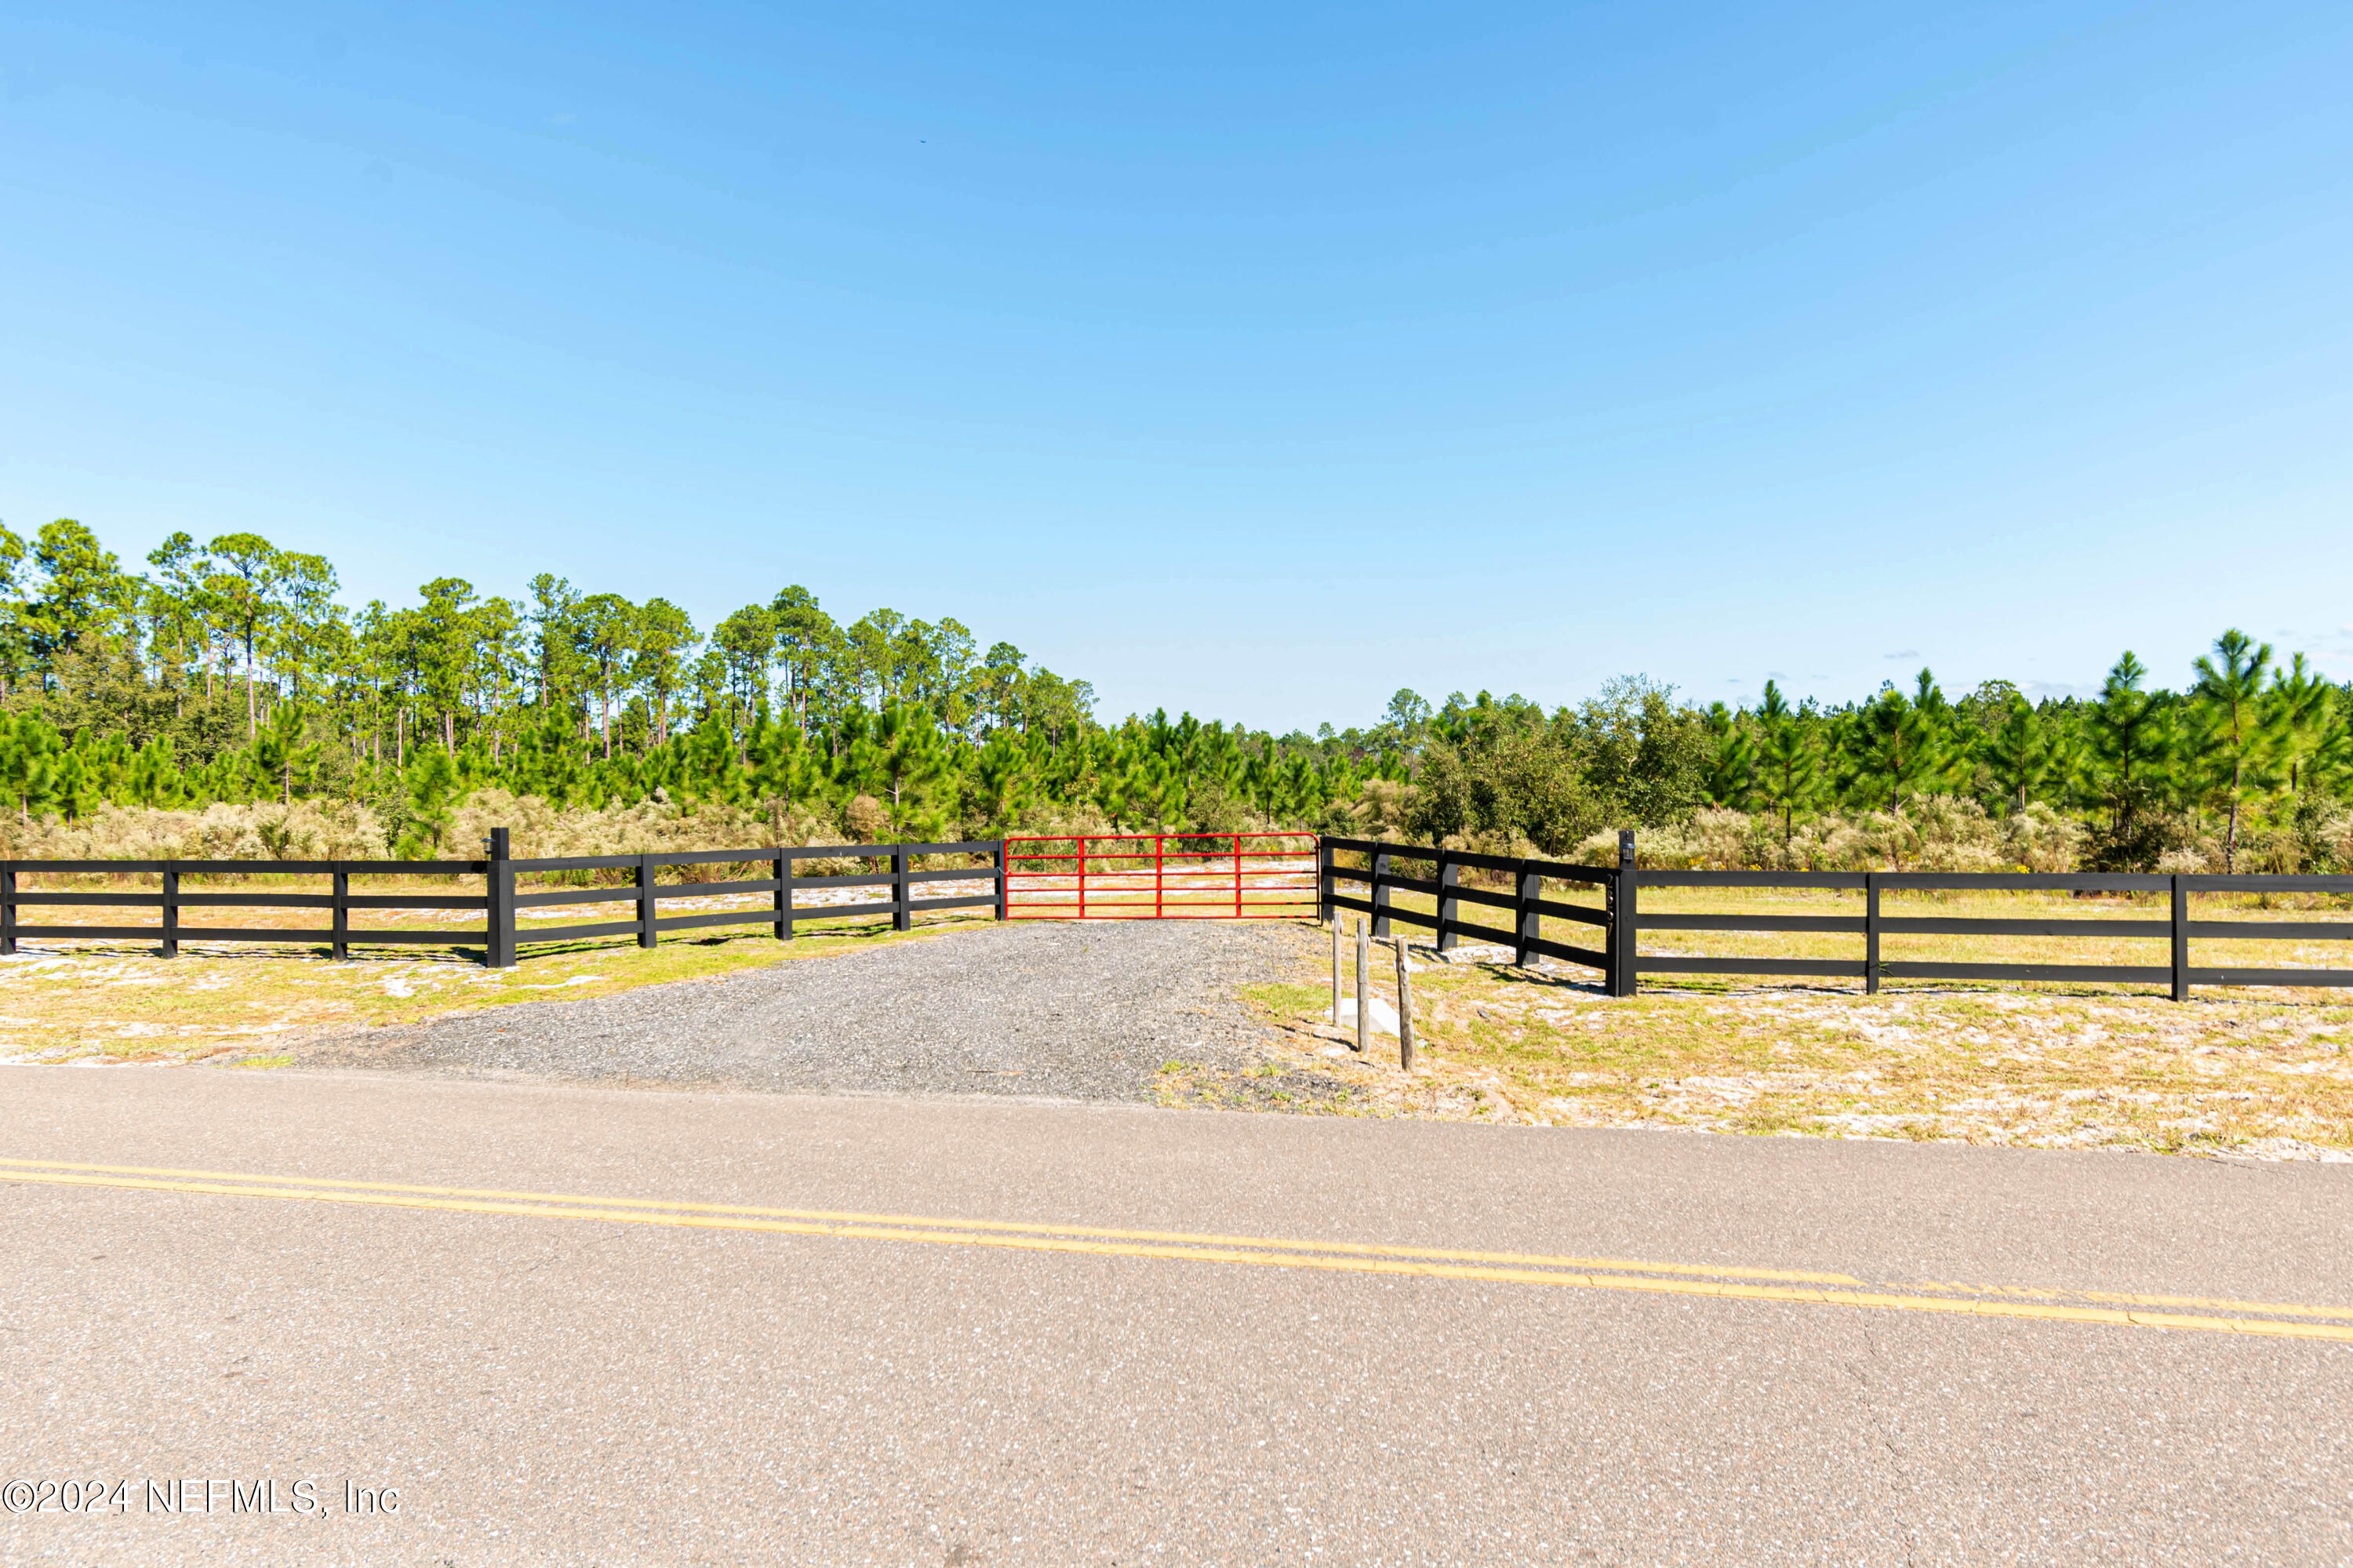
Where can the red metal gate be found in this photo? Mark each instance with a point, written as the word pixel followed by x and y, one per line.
pixel 1161 876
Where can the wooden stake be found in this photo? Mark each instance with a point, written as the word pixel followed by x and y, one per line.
pixel 1336 972
pixel 1405 1011
pixel 1363 990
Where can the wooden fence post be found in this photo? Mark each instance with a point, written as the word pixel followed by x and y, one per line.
pixel 902 918
pixel 171 911
pixel 1380 892
pixel 1528 926
pixel 339 939
pixel 498 878
pixel 1004 885
pixel 783 899
pixel 1625 921
pixel 1610 935
pixel 646 935
pixel 8 910
pixel 1448 874
pixel 2180 941
pixel 1871 932
pixel 1327 911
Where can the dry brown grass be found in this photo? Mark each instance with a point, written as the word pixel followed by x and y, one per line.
pixel 1966 905
pixel 110 1002
pixel 311 830
pixel 2266 1071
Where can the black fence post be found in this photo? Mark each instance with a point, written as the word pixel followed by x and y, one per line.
pixel 646 935
pixel 1326 884
pixel 902 918
pixel 339 917
pixel 7 911
pixel 498 880
pixel 1871 932
pixel 171 911
pixel 1610 935
pixel 2180 941
pixel 1527 924
pixel 1448 907
pixel 1380 891
pixel 1003 887
pixel 784 895
pixel 1625 921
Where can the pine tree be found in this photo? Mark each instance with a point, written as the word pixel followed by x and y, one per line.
pixel 29 748
pixel 785 767
pixel 153 777
pixel 2131 745
pixel 2239 732
pixel 1003 779
pixel 606 626
pixel 1895 747
pixel 1731 766
pixel 2304 706
pixel 545 761
pixel 247 592
pixel 907 754
pixel 73 791
pixel 1789 763
pixel 663 635
pixel 431 799
pixel 2021 752
pixel 279 758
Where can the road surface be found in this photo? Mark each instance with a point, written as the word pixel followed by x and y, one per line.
pixel 527 1322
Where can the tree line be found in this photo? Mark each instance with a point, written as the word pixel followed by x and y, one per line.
pixel 231 671
pixel 2251 757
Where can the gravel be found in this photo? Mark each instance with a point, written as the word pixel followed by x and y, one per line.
pixel 1056 1009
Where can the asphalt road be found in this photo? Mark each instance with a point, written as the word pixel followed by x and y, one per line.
pixel 1739 1350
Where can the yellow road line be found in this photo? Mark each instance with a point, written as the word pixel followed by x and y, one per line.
pixel 838 1216
pixel 908 1230
pixel 2211 1303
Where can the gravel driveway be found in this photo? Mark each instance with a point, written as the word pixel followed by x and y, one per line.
pixel 1052 1009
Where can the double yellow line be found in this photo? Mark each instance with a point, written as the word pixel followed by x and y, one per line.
pixel 1722 1281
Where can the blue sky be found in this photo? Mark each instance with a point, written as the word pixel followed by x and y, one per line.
pixel 1252 360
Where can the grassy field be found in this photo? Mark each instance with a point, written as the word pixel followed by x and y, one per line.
pixel 240 1004
pixel 1965 904
pixel 2264 1072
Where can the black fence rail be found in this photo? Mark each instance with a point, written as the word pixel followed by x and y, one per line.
pixel 500 900
pixel 2178 930
pixel 169 898
pixel 780 884
pixel 1624 921
pixel 1524 906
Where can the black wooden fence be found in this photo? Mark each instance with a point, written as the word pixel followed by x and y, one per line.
pixel 1520 906
pixel 780 884
pixel 170 898
pixel 500 899
pixel 1622 920
pixel 1525 907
